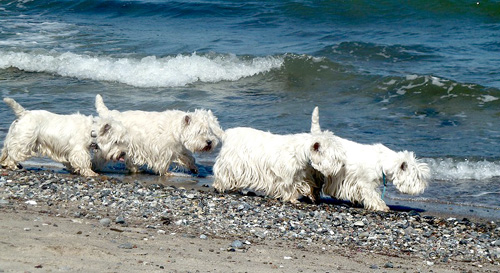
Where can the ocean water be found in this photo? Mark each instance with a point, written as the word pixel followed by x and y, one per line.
pixel 420 75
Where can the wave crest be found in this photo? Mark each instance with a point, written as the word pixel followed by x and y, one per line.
pixel 171 71
pixel 451 169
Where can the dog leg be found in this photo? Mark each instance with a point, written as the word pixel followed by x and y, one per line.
pixel 131 167
pixel 372 200
pixel 315 195
pixel 19 146
pixel 11 160
pixel 10 164
pixel 80 162
pixel 186 159
pixel 6 161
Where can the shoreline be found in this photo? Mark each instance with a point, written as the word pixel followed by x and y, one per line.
pixel 444 210
pixel 185 180
pixel 204 223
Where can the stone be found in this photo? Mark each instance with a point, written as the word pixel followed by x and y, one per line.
pixel 126 246
pixel 120 220
pixel 105 222
pixel 237 244
pixel 359 224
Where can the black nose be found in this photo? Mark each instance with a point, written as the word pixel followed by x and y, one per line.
pixel 209 142
pixel 122 154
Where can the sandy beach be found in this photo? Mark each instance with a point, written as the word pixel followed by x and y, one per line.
pixel 65 223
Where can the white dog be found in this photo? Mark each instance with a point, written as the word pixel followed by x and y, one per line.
pixel 159 138
pixel 282 166
pixel 366 167
pixel 69 139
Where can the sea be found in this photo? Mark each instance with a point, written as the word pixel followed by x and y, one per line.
pixel 422 76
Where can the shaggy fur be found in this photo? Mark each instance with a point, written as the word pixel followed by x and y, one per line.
pixel 365 165
pixel 282 166
pixel 69 139
pixel 159 138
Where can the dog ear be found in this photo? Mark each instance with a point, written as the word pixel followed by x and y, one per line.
pixel 187 120
pixel 403 166
pixel 316 146
pixel 315 127
pixel 105 129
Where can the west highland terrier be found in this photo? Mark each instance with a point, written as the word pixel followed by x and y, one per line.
pixel 282 166
pixel 367 166
pixel 68 139
pixel 159 138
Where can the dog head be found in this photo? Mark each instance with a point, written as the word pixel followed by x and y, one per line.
pixel 326 153
pixel 201 131
pixel 110 139
pixel 407 173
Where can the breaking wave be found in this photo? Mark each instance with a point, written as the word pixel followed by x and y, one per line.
pixel 150 71
pixel 451 169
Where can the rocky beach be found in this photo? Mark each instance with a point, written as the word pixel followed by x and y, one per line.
pixel 52 222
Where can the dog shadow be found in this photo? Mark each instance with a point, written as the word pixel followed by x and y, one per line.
pixel 120 168
pixel 336 202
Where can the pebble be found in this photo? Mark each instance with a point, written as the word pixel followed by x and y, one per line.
pixel 388 265
pixel 120 220
pixel 126 246
pixel 255 219
pixel 359 224
pixel 105 222
pixel 237 244
pixel 364 235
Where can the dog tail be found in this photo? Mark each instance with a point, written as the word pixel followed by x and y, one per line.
pixel 315 128
pixel 100 106
pixel 16 107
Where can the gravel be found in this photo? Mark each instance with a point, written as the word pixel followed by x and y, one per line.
pixel 252 219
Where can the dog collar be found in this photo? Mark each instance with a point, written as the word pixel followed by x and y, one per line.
pixel 93 143
pixel 385 184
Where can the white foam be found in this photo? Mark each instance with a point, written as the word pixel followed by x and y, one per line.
pixel 487 98
pixel 150 71
pixel 437 81
pixel 391 82
pixel 411 77
pixel 33 33
pixel 452 169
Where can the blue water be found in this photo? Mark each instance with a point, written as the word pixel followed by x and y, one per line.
pixel 421 76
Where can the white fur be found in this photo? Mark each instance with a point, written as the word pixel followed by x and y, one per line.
pixel 64 138
pixel 159 138
pixel 360 178
pixel 282 166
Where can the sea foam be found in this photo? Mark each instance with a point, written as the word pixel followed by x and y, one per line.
pixel 150 71
pixel 454 169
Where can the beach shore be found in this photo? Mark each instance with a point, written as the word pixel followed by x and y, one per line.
pixel 52 222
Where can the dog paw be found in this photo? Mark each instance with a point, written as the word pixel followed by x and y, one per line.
pixel 194 170
pixel 384 209
pixel 12 167
pixel 88 173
